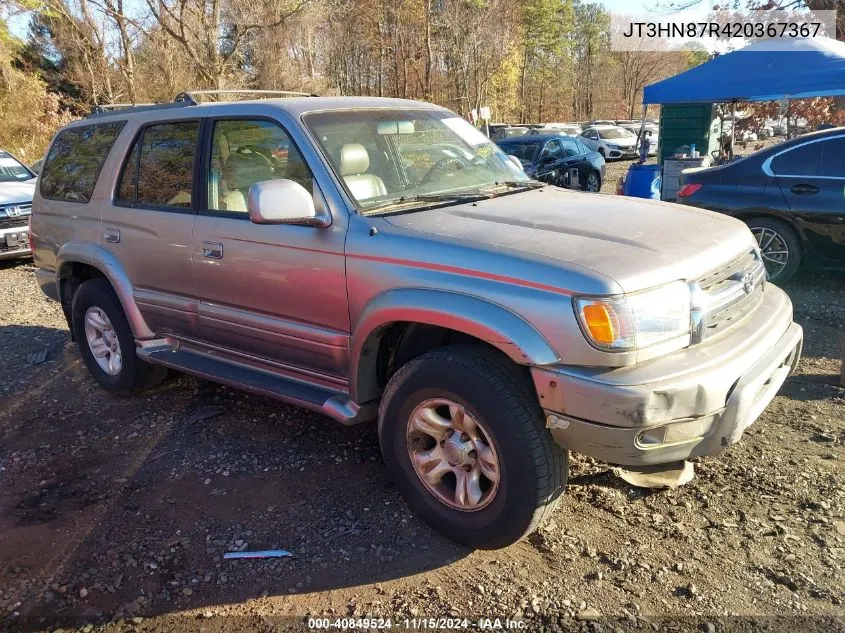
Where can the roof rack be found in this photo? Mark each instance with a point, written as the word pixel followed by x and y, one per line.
pixel 191 96
pixel 112 108
pixel 189 99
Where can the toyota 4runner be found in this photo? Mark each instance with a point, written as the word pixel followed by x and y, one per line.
pixel 382 259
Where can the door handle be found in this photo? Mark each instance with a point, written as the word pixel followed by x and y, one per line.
pixel 804 189
pixel 212 249
pixel 111 235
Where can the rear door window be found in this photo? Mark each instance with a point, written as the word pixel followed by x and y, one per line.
pixel 801 161
pixel 75 159
pixel 833 158
pixel 159 171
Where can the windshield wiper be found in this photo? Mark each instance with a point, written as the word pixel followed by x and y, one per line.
pixel 461 196
pixel 438 197
pixel 404 201
pixel 519 184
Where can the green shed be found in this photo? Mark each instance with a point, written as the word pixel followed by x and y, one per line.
pixel 688 123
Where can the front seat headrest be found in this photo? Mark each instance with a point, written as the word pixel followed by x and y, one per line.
pixel 353 159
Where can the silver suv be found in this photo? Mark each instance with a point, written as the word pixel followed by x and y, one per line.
pixel 382 259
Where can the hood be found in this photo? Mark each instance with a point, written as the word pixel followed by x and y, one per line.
pixel 625 141
pixel 638 243
pixel 14 192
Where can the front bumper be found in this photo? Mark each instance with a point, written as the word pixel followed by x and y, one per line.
pixel 696 401
pixel 14 242
pixel 624 152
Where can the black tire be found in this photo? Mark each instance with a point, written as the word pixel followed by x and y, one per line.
pixel 135 375
pixel 533 469
pixel 601 151
pixel 586 186
pixel 785 237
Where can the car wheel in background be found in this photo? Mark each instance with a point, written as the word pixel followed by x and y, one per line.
pixel 780 247
pixel 593 182
pixel 464 438
pixel 602 152
pixel 106 341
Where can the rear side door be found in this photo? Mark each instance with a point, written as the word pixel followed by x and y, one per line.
pixel 812 179
pixel 272 293
pixel 148 223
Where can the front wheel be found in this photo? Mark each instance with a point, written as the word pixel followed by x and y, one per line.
pixel 464 439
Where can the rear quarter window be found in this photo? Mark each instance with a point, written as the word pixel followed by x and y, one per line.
pixel 801 161
pixel 75 159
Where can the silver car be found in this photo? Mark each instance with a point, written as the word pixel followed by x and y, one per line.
pixel 381 259
pixel 17 186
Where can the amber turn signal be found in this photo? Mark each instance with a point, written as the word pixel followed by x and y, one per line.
pixel 599 322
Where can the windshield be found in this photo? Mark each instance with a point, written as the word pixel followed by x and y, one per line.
pixel 11 170
pixel 387 157
pixel 615 132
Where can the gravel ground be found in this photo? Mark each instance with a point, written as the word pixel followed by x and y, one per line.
pixel 115 513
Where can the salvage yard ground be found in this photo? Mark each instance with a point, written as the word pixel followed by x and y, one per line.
pixel 116 512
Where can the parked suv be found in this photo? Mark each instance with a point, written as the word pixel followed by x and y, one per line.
pixel 17 184
pixel 488 322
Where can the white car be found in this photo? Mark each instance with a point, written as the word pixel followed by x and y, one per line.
pixel 651 129
pixel 611 141
pixel 17 186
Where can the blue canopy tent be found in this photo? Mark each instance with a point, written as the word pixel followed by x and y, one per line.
pixel 768 70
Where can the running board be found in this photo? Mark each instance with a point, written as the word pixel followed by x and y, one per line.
pixel 331 403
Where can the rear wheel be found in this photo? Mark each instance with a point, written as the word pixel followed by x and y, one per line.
pixel 780 247
pixel 464 438
pixel 106 342
pixel 593 182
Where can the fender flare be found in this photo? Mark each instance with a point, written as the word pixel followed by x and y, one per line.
pixel 480 318
pixel 98 257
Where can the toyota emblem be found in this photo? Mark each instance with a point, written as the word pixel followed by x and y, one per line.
pixel 747 283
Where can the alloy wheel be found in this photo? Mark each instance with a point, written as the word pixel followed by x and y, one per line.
pixel 453 455
pixel 593 182
pixel 102 341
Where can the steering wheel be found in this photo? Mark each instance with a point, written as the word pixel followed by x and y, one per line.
pixel 442 165
pixel 255 150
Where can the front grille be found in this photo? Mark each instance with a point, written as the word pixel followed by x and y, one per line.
pixel 725 296
pixel 13 223
pixel 13 216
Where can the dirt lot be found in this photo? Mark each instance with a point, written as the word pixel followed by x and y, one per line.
pixel 115 513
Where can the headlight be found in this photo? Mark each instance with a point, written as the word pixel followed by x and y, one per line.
pixel 638 320
pixel 612 145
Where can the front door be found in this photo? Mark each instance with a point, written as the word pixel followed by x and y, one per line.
pixel 812 179
pixel 273 292
pixel 148 224
pixel 550 161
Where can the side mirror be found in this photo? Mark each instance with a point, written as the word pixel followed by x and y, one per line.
pixel 548 159
pixel 283 201
pixel 516 162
